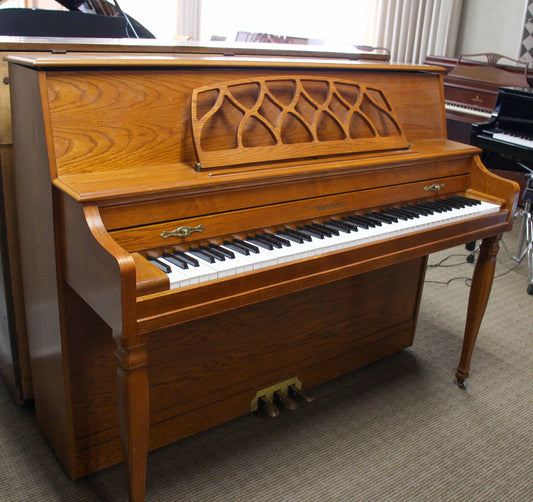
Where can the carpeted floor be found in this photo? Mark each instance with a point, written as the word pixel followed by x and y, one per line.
pixel 397 430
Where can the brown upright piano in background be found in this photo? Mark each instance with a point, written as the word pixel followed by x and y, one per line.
pixel 141 164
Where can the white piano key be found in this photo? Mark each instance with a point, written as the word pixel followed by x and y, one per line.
pixel 515 140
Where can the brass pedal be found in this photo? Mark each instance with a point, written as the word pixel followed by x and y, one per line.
pixel 284 401
pixel 267 407
pixel 295 391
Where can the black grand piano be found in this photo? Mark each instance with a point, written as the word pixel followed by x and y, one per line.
pixel 84 18
pixel 507 143
pixel 507 137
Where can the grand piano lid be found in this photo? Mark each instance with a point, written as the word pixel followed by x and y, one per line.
pixel 84 18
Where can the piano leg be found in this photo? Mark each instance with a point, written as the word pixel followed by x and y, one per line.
pixel 133 414
pixel 479 296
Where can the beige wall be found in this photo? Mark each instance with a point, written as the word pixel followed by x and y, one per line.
pixel 491 26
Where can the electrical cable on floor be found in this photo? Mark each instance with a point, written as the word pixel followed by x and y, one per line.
pixel 467 280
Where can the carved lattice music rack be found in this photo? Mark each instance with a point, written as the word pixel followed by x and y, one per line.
pixel 279 118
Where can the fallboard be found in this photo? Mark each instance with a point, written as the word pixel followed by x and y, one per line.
pixel 224 223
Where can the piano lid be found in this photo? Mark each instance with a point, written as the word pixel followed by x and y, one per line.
pixel 91 18
pixel 514 109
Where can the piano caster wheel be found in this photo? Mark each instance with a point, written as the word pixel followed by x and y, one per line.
pixel 461 383
pixel 530 289
pixel 471 258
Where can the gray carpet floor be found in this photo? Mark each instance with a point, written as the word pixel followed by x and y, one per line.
pixel 397 430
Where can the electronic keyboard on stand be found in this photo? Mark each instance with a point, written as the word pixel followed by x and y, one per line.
pixel 219 234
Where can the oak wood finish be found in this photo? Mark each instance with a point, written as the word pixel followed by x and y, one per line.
pixel 14 355
pixel 113 167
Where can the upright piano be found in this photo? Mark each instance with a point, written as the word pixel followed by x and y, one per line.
pixel 203 236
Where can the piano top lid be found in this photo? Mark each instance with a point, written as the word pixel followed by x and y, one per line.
pixel 44 60
pixel 125 45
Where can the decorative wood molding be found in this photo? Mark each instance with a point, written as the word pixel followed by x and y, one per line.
pixel 278 118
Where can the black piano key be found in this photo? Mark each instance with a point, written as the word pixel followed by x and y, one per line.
pixel 352 226
pixel 189 259
pixel 369 217
pixel 311 232
pixel 360 221
pixel 349 220
pixel 212 252
pixel 443 204
pixel 412 211
pixel 278 238
pixel 257 241
pixel 424 210
pixel 402 215
pixel 226 252
pixel 268 240
pixel 466 200
pixel 325 228
pixel 237 247
pixel 176 261
pixel 320 228
pixel 160 265
pixel 338 225
pixel 453 203
pixel 383 217
pixel 251 247
pixel 433 207
pixel 294 237
pixel 202 255
pixel 305 237
pixel 275 241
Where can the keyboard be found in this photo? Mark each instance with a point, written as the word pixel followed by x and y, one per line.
pixel 234 256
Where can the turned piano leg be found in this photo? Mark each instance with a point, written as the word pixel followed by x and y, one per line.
pixel 133 415
pixel 479 296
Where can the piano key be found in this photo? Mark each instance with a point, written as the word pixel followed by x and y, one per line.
pixel 359 221
pixel 212 252
pixel 514 139
pixel 402 215
pixel 226 252
pixel 269 239
pixel 317 243
pixel 189 259
pixel 294 232
pixel 343 227
pixel 257 241
pixel 325 230
pixel 310 231
pixel 291 236
pixel 235 246
pixel 159 264
pixel 179 262
pixel 277 238
pixel 202 255
pixel 251 247
pixel 385 218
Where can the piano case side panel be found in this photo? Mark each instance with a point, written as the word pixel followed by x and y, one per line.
pixel 206 372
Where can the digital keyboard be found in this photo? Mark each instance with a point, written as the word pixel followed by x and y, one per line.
pixel 219 234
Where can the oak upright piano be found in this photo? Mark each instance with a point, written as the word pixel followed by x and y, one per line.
pixel 203 235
